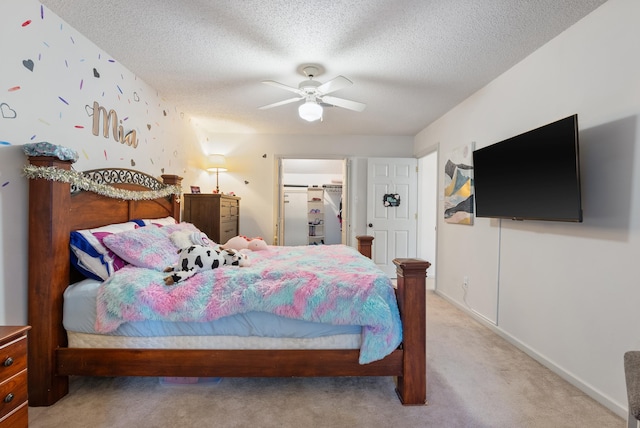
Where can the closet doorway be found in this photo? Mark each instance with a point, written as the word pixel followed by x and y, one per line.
pixel 312 195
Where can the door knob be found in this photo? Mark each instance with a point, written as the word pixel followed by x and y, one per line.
pixel 370 224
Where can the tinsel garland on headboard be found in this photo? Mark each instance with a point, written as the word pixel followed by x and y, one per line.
pixel 82 182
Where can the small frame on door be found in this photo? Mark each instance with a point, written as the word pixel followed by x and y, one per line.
pixel 391 200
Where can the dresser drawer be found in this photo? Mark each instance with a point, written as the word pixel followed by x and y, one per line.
pixel 228 210
pixel 13 357
pixel 215 214
pixel 13 392
pixel 228 230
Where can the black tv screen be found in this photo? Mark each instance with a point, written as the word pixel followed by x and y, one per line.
pixel 532 176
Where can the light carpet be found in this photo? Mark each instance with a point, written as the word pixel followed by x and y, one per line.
pixel 474 379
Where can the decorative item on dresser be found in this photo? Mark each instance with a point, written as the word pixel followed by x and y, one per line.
pixel 14 411
pixel 216 215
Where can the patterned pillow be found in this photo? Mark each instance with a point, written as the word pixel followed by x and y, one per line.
pixel 148 247
pixel 89 255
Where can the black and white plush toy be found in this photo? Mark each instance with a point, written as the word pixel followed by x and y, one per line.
pixel 198 258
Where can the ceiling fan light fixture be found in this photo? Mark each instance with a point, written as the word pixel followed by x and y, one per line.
pixel 310 111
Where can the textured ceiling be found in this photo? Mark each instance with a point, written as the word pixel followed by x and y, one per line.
pixel 410 60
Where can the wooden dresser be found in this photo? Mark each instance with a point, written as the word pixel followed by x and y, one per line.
pixel 14 410
pixel 216 215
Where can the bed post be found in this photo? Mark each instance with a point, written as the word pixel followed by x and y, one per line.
pixel 364 245
pixel 49 202
pixel 170 179
pixel 411 293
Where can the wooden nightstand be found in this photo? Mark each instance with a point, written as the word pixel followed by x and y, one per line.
pixel 14 410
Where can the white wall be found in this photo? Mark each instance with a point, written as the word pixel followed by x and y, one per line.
pixel 428 212
pixel 49 103
pixel 253 171
pixel 566 293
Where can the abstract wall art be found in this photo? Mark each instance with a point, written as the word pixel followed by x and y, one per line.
pixel 458 186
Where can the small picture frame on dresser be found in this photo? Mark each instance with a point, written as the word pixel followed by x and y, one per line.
pixel 195 189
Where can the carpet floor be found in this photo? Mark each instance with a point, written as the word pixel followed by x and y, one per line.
pixel 474 379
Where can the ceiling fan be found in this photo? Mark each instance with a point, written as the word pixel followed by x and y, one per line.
pixel 315 95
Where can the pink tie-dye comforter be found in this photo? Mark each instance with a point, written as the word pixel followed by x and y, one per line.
pixel 329 283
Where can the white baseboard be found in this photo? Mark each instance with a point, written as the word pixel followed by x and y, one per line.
pixel 431 283
pixel 592 392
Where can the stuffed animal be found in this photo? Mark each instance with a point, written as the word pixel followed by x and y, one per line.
pixel 236 243
pixel 244 243
pixel 185 238
pixel 257 244
pixel 198 258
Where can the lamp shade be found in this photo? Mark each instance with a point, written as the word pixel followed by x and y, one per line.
pixel 217 163
pixel 310 111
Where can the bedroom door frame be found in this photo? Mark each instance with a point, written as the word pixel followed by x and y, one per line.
pixel 278 237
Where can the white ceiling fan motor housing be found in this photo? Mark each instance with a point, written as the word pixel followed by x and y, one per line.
pixel 309 86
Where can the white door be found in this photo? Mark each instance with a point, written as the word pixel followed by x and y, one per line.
pixel 392 210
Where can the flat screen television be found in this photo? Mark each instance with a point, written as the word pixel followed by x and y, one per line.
pixel 532 176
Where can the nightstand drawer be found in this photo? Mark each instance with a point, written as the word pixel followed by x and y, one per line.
pixel 13 392
pixel 18 419
pixel 13 357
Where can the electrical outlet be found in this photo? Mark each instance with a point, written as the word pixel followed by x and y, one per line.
pixel 465 282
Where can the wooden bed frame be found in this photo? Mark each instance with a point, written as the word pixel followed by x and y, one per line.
pixel 54 212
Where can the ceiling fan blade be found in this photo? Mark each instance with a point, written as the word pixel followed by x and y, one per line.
pixel 334 84
pixel 281 103
pixel 341 102
pixel 282 86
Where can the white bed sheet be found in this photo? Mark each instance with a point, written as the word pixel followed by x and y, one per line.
pixel 253 330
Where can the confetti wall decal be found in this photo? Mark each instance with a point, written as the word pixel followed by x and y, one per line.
pixel 28 64
pixel 7 112
pixel 64 62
